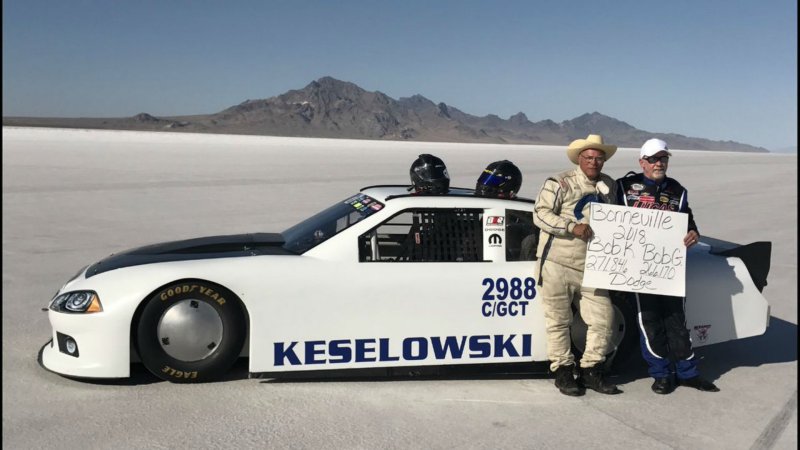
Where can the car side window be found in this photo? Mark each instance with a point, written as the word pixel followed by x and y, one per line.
pixel 522 236
pixel 426 235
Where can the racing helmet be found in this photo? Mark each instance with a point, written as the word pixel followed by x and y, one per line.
pixel 500 179
pixel 429 175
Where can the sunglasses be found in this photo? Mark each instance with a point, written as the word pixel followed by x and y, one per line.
pixel 598 159
pixel 654 159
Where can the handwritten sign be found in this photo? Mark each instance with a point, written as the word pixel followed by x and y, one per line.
pixel 636 250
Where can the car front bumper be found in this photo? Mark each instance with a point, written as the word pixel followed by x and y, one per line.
pixel 101 346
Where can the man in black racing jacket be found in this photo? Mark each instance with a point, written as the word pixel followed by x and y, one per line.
pixel 665 341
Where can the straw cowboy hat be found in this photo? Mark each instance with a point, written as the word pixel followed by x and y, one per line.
pixel 593 141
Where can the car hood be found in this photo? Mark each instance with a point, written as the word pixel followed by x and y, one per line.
pixel 237 245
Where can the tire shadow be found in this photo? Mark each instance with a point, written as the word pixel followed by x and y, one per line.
pixel 521 371
pixel 140 376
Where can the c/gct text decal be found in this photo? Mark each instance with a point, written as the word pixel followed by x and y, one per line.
pixel 504 297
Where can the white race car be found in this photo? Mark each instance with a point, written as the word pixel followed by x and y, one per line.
pixel 384 279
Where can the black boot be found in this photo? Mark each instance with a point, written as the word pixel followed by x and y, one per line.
pixel 663 385
pixel 565 382
pixel 699 384
pixel 594 379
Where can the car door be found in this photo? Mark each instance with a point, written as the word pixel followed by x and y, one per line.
pixel 429 285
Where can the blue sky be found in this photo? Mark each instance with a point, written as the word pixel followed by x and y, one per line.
pixel 723 70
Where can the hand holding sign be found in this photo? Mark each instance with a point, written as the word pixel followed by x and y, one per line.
pixel 582 231
pixel 636 250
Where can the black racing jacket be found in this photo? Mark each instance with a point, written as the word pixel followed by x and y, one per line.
pixel 634 189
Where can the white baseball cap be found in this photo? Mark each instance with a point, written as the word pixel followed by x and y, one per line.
pixel 653 146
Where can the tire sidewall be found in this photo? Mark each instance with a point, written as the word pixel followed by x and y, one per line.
pixel 164 366
pixel 623 305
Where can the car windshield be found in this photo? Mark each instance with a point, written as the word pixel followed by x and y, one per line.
pixel 322 226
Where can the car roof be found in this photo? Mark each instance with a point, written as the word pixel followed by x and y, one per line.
pixel 384 193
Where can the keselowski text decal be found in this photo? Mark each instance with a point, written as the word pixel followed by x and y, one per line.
pixel 340 351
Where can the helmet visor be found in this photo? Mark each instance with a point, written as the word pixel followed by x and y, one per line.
pixel 491 178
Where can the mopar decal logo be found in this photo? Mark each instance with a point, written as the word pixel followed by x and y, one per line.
pixel 495 240
pixel 410 349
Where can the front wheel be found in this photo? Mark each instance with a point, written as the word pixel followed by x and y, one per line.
pixel 625 333
pixel 191 332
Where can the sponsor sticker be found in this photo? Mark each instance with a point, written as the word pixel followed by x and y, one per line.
pixel 637 186
pixel 701 331
pixel 495 220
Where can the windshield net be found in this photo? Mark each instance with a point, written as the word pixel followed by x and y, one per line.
pixel 322 226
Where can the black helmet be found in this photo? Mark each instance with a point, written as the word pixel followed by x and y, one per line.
pixel 500 179
pixel 429 175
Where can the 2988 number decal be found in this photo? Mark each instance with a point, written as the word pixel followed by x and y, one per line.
pixel 501 289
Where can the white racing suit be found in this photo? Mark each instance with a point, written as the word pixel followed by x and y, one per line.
pixel 563 202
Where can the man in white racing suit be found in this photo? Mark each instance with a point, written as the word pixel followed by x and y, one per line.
pixel 562 213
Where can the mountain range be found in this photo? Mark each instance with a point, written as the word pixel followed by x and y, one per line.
pixel 332 108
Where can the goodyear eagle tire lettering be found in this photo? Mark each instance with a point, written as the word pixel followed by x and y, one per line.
pixel 191 332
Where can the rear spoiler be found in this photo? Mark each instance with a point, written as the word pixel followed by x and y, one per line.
pixel 756 257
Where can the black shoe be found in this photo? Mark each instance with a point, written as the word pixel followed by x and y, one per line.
pixel 662 386
pixel 594 379
pixel 699 384
pixel 565 382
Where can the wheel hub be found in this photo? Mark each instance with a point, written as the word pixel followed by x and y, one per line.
pixel 190 330
pixel 579 328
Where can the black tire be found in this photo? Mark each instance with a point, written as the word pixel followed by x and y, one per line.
pixel 625 338
pixel 203 329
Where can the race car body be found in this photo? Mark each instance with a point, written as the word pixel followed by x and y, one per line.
pixel 382 279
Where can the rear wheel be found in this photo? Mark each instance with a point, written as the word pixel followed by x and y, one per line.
pixel 625 333
pixel 191 332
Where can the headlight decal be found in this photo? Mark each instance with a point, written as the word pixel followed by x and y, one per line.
pixel 77 302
